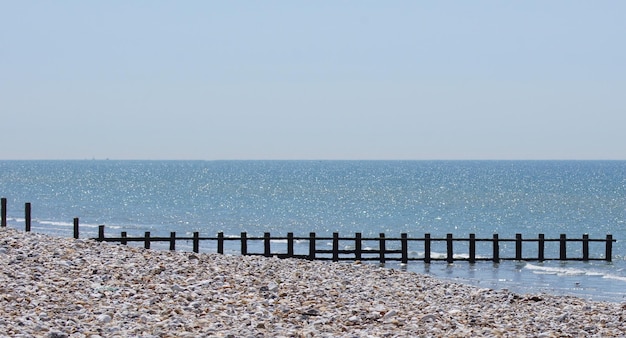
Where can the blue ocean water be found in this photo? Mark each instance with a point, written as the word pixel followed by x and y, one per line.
pixel 371 197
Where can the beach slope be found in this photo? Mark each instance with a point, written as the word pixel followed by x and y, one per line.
pixel 60 287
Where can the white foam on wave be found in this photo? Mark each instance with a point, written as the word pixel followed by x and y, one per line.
pixel 82 225
pixel 285 241
pixel 615 277
pixel 56 223
pixel 565 271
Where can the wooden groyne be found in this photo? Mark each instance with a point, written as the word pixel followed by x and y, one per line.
pixel 386 248
pixel 383 253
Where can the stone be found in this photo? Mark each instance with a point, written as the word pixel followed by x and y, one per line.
pixel 98 290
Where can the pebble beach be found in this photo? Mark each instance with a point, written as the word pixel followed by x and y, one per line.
pixel 60 287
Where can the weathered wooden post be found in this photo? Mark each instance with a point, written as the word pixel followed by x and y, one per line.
pixel 496 249
pixel 76 234
pixel 196 242
pixel 146 243
pixel 290 244
pixel 404 243
pixel 100 233
pixel 382 248
pixel 608 255
pixel 357 246
pixel 335 246
pixel 585 247
pixel 450 249
pixel 311 246
pixel 518 247
pixel 244 244
pixel 267 249
pixel 220 242
pixel 427 248
pixel 542 247
pixel 123 235
pixel 172 241
pixel 472 248
pixel 27 217
pixel 3 211
pixel 563 247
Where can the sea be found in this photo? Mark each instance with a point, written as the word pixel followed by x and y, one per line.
pixel 370 197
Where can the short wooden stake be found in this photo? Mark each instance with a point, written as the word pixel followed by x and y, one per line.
pixel 100 233
pixel 608 255
pixel 146 243
pixel 172 241
pixel 382 247
pixel 76 234
pixel 450 254
pixel 357 246
pixel 563 247
pixel 220 242
pixel 124 235
pixel 27 217
pixel 335 246
pixel 244 244
pixel 196 242
pixel 518 247
pixel 404 243
pixel 542 247
pixel 290 244
pixel 426 248
pixel 311 246
pixel 585 247
pixel 3 211
pixel 267 252
pixel 472 248
pixel 496 249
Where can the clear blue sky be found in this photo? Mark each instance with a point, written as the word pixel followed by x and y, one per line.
pixel 313 79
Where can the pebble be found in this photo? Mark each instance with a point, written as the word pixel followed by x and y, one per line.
pixel 60 287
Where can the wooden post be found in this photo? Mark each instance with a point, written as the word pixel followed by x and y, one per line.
pixel 357 246
pixel 472 248
pixel 311 246
pixel 244 244
pixel 172 241
pixel 146 243
pixel 518 247
pixel 3 211
pixel 290 244
pixel 450 255
pixel 267 252
pixel 585 247
pixel 220 242
pixel 123 235
pixel 76 234
pixel 100 233
pixel 563 251
pixel 563 247
pixel 427 248
pixel 335 246
pixel 405 248
pixel 608 255
pixel 542 247
pixel 196 242
pixel 382 247
pixel 496 249
pixel 27 216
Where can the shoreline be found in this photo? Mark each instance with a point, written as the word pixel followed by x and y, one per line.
pixel 62 287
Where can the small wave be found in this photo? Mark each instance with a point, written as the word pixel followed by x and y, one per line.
pixel 614 277
pixel 82 225
pixel 563 271
pixel 56 223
